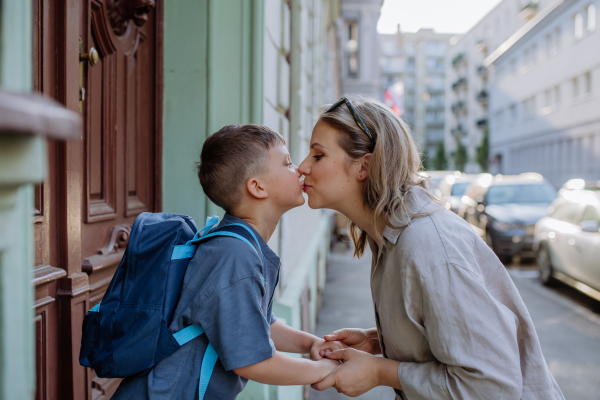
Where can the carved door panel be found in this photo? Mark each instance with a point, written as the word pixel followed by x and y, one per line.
pixel 95 188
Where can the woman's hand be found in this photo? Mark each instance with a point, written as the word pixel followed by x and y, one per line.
pixel 321 347
pixel 359 373
pixel 361 339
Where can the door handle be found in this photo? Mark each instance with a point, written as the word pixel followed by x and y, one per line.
pixel 92 56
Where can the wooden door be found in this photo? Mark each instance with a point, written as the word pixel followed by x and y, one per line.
pixel 95 187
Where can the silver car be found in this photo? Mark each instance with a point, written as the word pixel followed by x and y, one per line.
pixel 568 240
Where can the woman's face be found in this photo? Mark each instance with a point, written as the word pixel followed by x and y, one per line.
pixel 330 180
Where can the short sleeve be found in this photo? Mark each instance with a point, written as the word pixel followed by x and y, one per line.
pixel 236 325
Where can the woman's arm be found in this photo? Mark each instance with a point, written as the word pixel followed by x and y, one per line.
pixel 285 370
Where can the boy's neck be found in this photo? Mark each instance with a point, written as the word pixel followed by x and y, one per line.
pixel 264 222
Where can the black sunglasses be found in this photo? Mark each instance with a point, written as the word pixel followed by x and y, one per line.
pixel 359 121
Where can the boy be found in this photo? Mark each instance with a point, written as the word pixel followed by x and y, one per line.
pixel 246 170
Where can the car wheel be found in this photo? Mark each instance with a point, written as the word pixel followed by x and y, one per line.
pixel 544 263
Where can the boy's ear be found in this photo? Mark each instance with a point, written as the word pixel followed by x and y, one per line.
pixel 255 189
pixel 364 161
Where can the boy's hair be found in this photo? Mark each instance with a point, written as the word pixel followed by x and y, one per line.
pixel 230 157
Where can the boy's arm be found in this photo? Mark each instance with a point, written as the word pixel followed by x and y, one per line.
pixel 285 370
pixel 290 340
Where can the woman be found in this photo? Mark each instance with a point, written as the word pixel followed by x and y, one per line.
pixel 450 322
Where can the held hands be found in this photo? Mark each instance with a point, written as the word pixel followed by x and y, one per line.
pixel 361 339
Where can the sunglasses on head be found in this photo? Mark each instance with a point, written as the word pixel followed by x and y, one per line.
pixel 359 121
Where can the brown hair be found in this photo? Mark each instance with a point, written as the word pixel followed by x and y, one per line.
pixel 230 157
pixel 394 166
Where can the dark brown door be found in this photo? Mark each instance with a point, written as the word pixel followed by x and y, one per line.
pixel 95 187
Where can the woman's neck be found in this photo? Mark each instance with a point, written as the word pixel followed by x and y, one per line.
pixel 363 216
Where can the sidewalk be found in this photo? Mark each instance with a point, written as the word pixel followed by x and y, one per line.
pixel 347 304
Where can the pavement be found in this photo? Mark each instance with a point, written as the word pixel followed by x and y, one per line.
pixel 567 323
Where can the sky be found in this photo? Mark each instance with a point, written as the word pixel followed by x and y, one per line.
pixel 444 16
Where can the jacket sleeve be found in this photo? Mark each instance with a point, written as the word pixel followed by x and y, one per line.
pixel 471 334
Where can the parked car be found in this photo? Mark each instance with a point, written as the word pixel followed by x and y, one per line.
pixel 568 240
pixel 453 187
pixel 437 176
pixel 506 209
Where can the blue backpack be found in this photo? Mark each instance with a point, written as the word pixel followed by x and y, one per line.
pixel 128 332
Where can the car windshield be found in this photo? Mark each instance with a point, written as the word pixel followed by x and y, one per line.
pixel 534 193
pixel 458 189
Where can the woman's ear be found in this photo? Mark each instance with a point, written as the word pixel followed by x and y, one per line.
pixel 364 161
pixel 255 189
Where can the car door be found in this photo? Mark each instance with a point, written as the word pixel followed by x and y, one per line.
pixel 587 249
pixel 567 239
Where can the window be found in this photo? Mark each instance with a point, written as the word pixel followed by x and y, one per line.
pixel 557 38
pixel 352 49
pixel 548 98
pixel 578 26
pixel 591 18
pixel 572 211
pixel 513 66
pixel 587 83
pixel 556 95
pixel 549 43
pixel 575 87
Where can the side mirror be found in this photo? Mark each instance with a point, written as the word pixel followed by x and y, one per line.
pixel 590 226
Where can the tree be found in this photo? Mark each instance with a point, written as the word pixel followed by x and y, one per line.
pixel 425 159
pixel 439 162
pixel 460 158
pixel 483 152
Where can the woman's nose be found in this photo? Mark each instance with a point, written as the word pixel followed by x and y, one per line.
pixel 303 168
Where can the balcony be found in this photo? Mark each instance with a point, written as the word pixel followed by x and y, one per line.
pixel 461 82
pixel 458 59
pixel 458 132
pixel 482 97
pixel 458 107
pixel 529 11
pixel 482 123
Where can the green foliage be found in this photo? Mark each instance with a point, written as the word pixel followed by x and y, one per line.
pixel 460 157
pixel 483 152
pixel 439 162
pixel 425 159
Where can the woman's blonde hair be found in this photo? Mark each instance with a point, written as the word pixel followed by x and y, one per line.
pixel 394 166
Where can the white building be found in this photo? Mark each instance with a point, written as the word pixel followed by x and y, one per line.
pixel 545 95
pixel 466 83
pixel 360 47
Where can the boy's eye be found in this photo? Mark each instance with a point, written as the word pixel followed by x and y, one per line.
pixel 288 164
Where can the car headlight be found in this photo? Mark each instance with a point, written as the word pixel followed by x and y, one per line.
pixel 505 226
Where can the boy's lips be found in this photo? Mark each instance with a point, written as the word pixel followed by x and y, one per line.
pixel 305 187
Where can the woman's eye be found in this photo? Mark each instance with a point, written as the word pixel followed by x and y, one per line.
pixel 318 157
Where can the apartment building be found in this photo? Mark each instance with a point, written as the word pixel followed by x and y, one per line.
pixel 545 95
pixel 467 85
pixel 418 60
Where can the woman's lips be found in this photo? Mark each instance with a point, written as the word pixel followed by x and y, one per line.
pixel 305 187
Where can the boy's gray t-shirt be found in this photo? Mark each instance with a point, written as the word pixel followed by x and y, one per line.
pixel 226 292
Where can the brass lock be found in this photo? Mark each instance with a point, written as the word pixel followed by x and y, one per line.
pixel 92 56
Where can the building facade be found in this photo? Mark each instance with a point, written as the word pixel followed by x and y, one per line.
pixel 418 60
pixel 359 48
pixel 545 96
pixel 149 81
pixel 467 86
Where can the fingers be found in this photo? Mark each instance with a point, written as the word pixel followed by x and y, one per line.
pixel 340 334
pixel 341 355
pixel 326 383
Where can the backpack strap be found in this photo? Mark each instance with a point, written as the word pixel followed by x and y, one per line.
pixel 208 360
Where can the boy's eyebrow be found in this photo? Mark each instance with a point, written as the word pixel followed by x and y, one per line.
pixel 318 145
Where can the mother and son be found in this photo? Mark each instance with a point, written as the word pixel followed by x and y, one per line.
pixel 450 322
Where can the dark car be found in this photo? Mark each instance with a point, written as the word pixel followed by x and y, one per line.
pixel 506 208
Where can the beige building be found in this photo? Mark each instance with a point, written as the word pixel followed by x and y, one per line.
pixel 467 84
pixel 418 60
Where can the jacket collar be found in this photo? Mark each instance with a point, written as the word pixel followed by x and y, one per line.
pixel 268 253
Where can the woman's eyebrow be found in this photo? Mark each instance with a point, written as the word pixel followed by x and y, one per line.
pixel 318 145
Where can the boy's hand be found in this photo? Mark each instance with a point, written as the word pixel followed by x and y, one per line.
pixel 327 366
pixel 320 348
pixel 361 339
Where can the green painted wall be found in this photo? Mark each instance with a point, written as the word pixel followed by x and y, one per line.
pixel 212 78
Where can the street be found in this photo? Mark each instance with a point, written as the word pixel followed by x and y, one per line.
pixel 567 322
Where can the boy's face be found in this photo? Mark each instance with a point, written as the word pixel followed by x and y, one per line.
pixel 282 179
